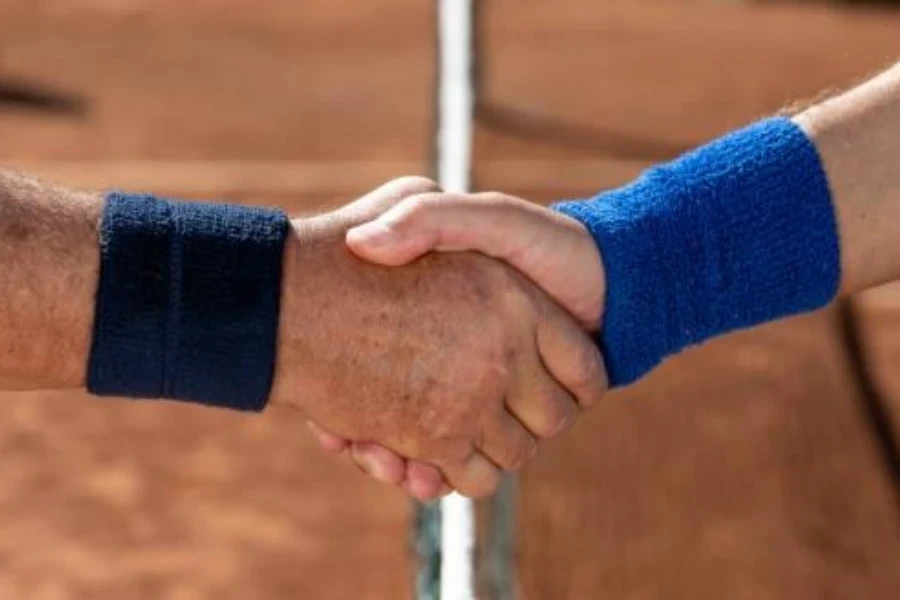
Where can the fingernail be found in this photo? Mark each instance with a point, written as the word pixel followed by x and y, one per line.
pixel 373 233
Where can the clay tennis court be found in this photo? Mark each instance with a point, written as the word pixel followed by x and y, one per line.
pixel 749 468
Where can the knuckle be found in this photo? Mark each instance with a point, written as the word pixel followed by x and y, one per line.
pixel 523 452
pixel 593 394
pixel 414 208
pixel 557 416
pixel 412 214
pixel 454 452
pixel 565 418
pixel 489 486
pixel 468 471
pixel 416 184
pixel 489 375
pixel 500 289
pixel 588 374
pixel 442 423
pixel 482 488
pixel 453 411
pixel 426 204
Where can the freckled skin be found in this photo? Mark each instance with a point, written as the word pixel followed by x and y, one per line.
pixel 414 357
pixel 455 360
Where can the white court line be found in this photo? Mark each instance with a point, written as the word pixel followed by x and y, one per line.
pixel 456 103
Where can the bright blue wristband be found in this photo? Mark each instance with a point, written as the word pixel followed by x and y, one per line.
pixel 736 233
pixel 187 302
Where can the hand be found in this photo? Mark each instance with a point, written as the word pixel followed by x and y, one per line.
pixel 456 361
pixel 552 249
pixel 555 251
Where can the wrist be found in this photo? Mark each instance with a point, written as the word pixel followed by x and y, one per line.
pixel 54 303
pixel 298 235
pixel 293 384
pixel 736 233
pixel 857 136
pixel 584 265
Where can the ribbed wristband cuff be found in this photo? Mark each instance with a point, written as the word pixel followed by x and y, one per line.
pixel 187 302
pixel 736 233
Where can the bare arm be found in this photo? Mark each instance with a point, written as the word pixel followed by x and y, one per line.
pixel 447 352
pixel 858 137
pixel 49 257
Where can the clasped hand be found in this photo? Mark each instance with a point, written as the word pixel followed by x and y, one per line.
pixel 437 338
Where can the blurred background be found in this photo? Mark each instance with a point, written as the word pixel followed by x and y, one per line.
pixel 759 466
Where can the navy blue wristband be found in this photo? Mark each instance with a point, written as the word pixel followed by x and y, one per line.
pixel 736 233
pixel 187 302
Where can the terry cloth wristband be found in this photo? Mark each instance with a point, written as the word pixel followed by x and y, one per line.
pixel 736 233
pixel 187 301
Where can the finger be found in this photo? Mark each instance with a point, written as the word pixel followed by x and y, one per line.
pixel 536 241
pixel 423 482
pixel 570 356
pixel 540 403
pixel 379 462
pixel 508 444
pixel 327 440
pixel 476 477
pixel 386 196
pixel 429 222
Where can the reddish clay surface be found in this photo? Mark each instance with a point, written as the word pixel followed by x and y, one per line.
pixel 744 469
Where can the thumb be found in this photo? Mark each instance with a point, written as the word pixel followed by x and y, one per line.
pixel 388 195
pixel 554 251
pixel 420 224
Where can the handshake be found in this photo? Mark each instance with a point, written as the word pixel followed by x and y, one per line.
pixel 437 338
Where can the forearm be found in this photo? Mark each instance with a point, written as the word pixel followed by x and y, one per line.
pixel 857 135
pixel 49 257
pixel 769 221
